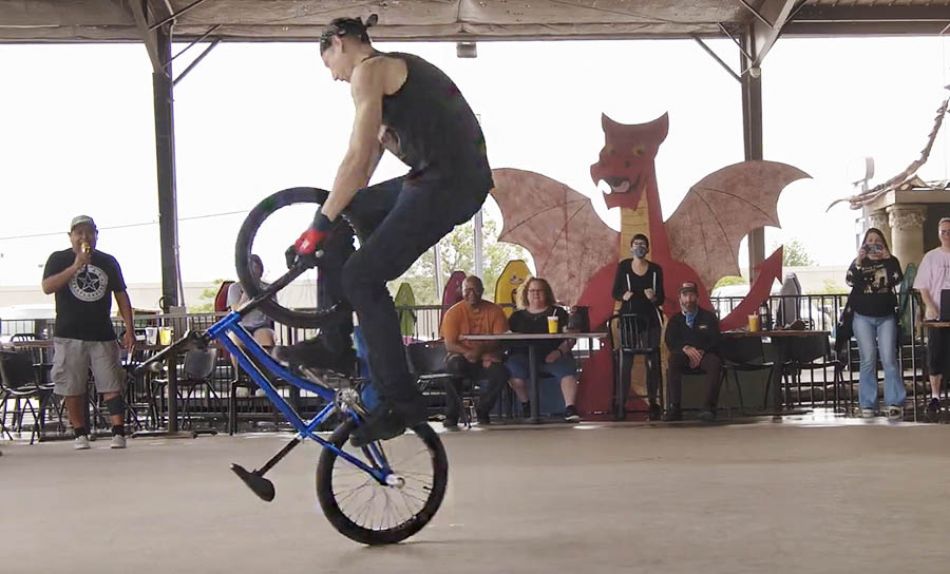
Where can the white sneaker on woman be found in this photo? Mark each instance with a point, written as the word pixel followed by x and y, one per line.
pixel 867 413
pixel 81 442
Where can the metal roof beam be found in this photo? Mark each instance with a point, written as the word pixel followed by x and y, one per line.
pixel 771 18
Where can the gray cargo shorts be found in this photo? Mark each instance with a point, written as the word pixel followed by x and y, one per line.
pixel 73 359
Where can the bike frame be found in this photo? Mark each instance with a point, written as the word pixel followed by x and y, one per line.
pixel 230 325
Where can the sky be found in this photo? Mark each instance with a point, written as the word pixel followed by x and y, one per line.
pixel 77 134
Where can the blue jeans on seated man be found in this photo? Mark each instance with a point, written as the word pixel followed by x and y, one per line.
pixel 495 377
pixel 878 334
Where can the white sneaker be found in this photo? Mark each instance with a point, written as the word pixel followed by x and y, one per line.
pixel 867 413
pixel 81 442
pixel 118 441
pixel 895 413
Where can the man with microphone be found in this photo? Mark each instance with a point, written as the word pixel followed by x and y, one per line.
pixel 82 278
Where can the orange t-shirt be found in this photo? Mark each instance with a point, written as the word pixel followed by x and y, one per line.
pixel 486 319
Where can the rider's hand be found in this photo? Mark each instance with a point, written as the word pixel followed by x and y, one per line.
pixel 310 240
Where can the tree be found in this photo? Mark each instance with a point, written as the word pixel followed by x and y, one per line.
pixel 458 253
pixel 794 254
pixel 207 298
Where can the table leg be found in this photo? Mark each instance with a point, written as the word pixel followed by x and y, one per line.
pixel 172 389
pixel 535 391
pixel 781 352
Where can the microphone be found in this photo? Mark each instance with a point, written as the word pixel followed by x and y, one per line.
pixel 87 249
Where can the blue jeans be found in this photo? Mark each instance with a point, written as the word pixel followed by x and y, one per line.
pixel 878 334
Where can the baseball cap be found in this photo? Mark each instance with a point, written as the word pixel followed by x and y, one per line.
pixel 80 219
pixel 689 286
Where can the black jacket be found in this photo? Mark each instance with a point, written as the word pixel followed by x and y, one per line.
pixel 704 335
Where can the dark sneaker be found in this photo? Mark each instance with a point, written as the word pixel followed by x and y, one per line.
pixel 388 421
pixel 933 409
pixel 673 414
pixel 656 413
pixel 526 409
pixel 707 416
pixel 484 419
pixel 570 414
pixel 895 413
pixel 316 354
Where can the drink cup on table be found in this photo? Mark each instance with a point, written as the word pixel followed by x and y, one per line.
pixel 151 336
pixel 755 325
pixel 552 324
pixel 165 335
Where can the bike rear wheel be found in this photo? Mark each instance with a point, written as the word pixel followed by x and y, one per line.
pixel 364 510
pixel 245 242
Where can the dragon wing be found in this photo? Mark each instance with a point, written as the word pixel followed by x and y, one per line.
pixel 557 225
pixel 707 227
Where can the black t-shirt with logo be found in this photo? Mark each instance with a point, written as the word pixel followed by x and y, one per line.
pixel 84 305
pixel 873 284
pixel 523 321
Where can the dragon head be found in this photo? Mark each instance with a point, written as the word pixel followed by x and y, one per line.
pixel 626 160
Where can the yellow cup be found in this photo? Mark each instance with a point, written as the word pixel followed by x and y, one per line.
pixel 754 324
pixel 552 324
pixel 165 335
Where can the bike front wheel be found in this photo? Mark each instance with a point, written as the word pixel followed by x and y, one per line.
pixel 363 509
pixel 263 211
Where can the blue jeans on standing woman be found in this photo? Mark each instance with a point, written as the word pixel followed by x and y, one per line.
pixel 874 335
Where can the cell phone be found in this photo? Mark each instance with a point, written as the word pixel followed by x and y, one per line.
pixel 873 248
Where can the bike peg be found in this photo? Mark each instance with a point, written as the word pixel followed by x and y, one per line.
pixel 262 487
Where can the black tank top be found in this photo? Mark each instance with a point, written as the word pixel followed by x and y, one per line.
pixel 436 131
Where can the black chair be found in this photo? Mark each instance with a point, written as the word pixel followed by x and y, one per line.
pixel 810 352
pixel 18 382
pixel 427 364
pixel 632 340
pixel 744 355
pixel 197 371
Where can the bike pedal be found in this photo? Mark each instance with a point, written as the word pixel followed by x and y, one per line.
pixel 262 487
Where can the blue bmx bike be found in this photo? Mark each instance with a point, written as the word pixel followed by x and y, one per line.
pixel 381 493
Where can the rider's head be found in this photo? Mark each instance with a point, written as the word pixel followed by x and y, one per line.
pixel 344 43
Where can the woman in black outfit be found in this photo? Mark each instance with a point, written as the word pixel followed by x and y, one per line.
pixel 873 276
pixel 638 285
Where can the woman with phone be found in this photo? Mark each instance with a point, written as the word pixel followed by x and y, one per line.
pixel 638 285
pixel 873 275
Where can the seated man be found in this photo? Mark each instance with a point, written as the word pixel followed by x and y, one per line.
pixel 473 360
pixel 692 338
pixel 259 325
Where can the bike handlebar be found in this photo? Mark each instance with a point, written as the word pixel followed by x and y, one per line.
pixel 302 264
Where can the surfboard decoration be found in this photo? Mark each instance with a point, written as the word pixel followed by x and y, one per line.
pixel 405 302
pixel 452 293
pixel 512 277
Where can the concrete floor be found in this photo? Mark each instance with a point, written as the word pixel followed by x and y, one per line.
pixel 763 497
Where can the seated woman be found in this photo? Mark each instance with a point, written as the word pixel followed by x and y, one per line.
pixel 536 304
pixel 259 325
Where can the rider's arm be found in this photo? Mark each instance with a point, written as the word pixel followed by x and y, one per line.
pixel 364 149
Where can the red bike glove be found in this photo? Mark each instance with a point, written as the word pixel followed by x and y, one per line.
pixel 309 240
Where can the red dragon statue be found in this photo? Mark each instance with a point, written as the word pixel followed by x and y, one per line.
pixel 578 253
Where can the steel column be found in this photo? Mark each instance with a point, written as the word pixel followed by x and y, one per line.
pixel 163 94
pixel 752 134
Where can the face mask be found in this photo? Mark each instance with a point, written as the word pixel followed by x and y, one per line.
pixel 640 251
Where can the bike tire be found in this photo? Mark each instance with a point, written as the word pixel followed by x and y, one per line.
pixel 349 526
pixel 245 241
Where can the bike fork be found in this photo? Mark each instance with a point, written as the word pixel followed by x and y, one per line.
pixel 254 479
